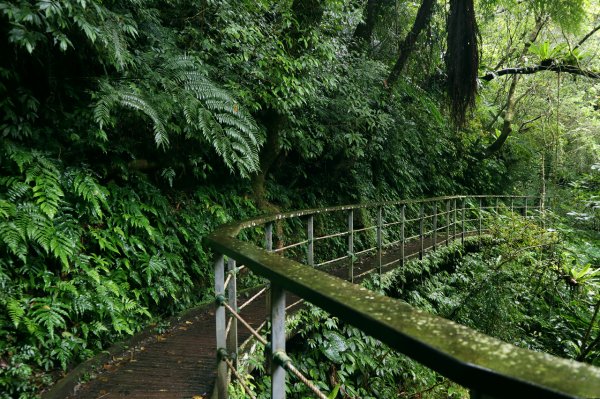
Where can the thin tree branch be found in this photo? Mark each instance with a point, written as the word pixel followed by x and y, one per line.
pixel 547 65
pixel 528 122
pixel 408 44
pixel 585 349
pixel 596 29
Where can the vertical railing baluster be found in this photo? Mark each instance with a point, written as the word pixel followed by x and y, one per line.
pixel 497 205
pixel 435 223
pixel 447 222
pixel 269 248
pixel 221 385
pixel 421 220
pixel 542 212
pixel 277 341
pixel 402 227
pixel 311 240
pixel 454 219
pixel 269 237
pixel 462 235
pixel 351 243
pixel 232 338
pixel 525 213
pixel 480 216
pixel 379 237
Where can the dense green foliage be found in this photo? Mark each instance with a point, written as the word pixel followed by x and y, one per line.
pixel 130 129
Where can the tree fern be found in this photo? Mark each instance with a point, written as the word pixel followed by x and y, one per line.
pixel 179 90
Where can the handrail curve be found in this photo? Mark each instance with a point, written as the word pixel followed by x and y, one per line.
pixel 485 365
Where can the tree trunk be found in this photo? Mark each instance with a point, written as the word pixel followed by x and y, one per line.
pixel 273 122
pixel 408 44
pixel 509 114
pixel 462 58
pixel 308 14
pixel 363 34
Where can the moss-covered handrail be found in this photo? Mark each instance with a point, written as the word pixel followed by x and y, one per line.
pixel 484 364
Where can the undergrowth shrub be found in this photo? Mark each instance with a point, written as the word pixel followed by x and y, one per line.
pixel 85 262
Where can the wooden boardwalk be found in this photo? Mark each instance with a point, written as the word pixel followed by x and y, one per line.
pixel 181 363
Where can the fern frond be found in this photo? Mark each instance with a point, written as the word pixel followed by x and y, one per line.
pixel 48 314
pixel 88 188
pixel 62 246
pixel 7 209
pixel 15 311
pixel 21 157
pixel 18 190
pixel 82 304
pixel 35 225
pixel 111 96
pixel 46 189
pixel 98 328
pixel 13 238
pixel 131 100
pixel 155 267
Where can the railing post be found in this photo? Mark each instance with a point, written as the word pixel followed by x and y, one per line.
pixel 221 385
pixel 232 338
pixel 311 240
pixel 525 213
pixel 454 220
pixel 402 226
pixel 269 237
pixel 269 248
pixel 421 220
pixel 351 243
pixel 277 341
pixel 497 206
pixel 379 236
pixel 447 222
pixel 542 212
pixel 435 222
pixel 480 216
pixel 462 235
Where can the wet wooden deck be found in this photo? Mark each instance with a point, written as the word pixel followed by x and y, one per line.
pixel 181 363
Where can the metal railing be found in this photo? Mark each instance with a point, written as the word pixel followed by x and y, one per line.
pixel 401 230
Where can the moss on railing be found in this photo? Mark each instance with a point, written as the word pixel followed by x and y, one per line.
pixel 470 358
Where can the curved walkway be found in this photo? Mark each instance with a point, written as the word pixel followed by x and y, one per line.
pixel 181 363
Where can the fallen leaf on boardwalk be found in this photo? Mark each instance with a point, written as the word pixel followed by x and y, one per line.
pixel 189 322
pixel 160 338
pixel 103 379
pixel 108 367
pixel 183 328
pixel 197 397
